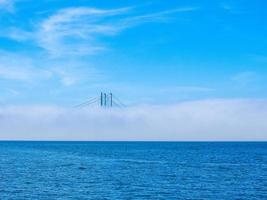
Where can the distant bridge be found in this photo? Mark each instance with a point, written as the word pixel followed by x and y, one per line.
pixel 104 100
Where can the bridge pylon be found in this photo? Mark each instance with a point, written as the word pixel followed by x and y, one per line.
pixel 106 99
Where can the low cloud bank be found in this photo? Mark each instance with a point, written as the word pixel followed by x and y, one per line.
pixel 210 120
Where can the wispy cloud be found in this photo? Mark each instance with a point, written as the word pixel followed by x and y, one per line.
pixel 226 6
pixel 155 93
pixel 17 34
pixel 162 16
pixel 74 30
pixel 19 68
pixel 245 77
pixel 74 72
pixel 230 8
pixel 7 5
pixel 196 120
pixel 77 31
pixel 188 89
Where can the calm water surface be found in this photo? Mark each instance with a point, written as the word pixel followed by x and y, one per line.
pixel 139 170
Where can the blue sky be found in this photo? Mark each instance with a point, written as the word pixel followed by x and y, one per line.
pixel 189 70
pixel 153 52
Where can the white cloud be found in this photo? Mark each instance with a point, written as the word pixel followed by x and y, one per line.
pixel 80 30
pixel 76 31
pixel 155 17
pixel 73 30
pixel 196 120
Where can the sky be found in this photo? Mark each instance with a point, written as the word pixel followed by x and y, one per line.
pixel 187 70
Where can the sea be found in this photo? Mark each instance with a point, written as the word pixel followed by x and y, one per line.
pixel 133 170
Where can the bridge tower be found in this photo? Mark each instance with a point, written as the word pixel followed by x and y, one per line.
pixel 106 100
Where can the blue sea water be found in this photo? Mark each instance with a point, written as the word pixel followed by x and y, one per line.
pixel 133 170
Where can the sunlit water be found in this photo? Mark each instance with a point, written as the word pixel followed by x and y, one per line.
pixel 122 170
